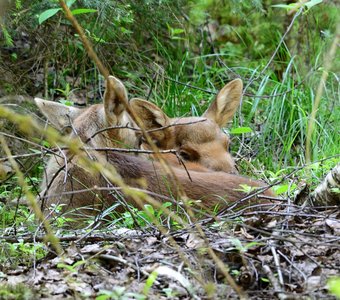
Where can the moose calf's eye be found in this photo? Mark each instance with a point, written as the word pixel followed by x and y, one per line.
pixel 158 143
pixel 184 155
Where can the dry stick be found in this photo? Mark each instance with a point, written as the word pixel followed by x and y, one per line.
pixel 104 71
pixel 277 48
pixel 28 142
pixel 277 263
pixel 106 74
pixel 2 159
pixel 168 170
pixel 274 282
pixel 124 262
pixel 327 66
pixel 262 189
pixel 223 268
pixel 293 265
pixel 263 70
pixel 92 54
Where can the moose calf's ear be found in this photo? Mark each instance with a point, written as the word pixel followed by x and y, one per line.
pixel 115 99
pixel 59 115
pixel 223 108
pixel 151 115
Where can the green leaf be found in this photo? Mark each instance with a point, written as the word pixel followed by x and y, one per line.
pixel 149 208
pixel 280 189
pixel 333 285
pixel 47 14
pixel 283 188
pixel 80 11
pixel 66 102
pixel 251 244
pixel 244 188
pixel 312 3
pixel 149 282
pixel 175 31
pixel 69 3
pixel 287 6
pixel 237 243
pixel 335 190
pixel 297 5
pixel 66 267
pixel 241 130
pixel 46 144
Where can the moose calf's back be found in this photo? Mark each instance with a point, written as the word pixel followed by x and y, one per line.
pixel 86 191
pixel 74 186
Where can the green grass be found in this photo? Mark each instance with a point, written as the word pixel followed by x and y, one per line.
pixel 278 114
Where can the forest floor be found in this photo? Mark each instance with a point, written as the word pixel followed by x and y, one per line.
pixel 287 254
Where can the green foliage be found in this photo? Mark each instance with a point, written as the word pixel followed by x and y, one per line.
pixel 145 217
pixel 246 188
pixel 119 293
pixel 14 292
pixel 149 282
pixel 241 130
pixel 48 14
pixel 21 253
pixel 45 15
pixel 116 28
pixel 7 36
pixel 71 268
pixel 243 248
pixel 334 286
pixel 297 5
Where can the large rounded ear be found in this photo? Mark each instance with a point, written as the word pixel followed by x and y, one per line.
pixel 150 114
pixel 115 100
pixel 223 108
pixel 58 114
pixel 152 117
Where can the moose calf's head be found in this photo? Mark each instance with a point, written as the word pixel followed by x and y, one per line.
pixel 197 139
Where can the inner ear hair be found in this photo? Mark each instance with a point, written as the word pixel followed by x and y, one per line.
pixel 152 116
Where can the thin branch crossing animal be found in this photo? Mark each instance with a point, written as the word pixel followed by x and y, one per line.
pixel 74 185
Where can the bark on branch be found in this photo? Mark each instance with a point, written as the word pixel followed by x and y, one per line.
pixel 328 192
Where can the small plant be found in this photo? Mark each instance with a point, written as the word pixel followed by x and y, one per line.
pixel 49 13
pixel 18 291
pixel 333 285
pixel 71 268
pixel 21 253
pixel 243 248
pixel 119 293
pixel 146 216
pixel 246 188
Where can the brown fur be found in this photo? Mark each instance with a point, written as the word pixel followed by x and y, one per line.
pixel 63 182
pixel 84 123
pixel 201 144
pixel 214 189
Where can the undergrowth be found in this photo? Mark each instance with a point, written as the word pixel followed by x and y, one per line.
pixel 182 75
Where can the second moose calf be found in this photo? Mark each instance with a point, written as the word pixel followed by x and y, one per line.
pixel 72 184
